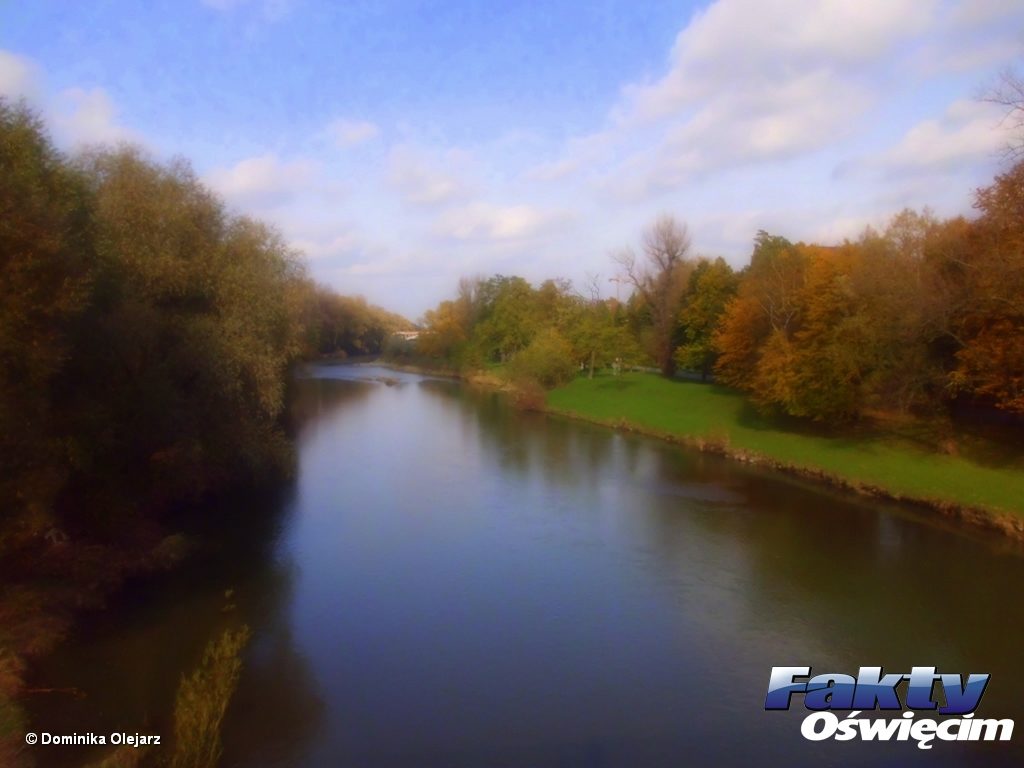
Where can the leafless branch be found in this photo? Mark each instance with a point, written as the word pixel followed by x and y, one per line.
pixel 1008 93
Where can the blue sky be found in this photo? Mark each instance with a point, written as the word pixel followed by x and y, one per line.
pixel 403 144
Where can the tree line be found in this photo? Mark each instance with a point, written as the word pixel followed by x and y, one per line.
pixel 146 334
pixel 916 316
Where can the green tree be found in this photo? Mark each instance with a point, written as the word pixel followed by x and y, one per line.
pixel 509 318
pixel 181 367
pixel 547 360
pixel 712 285
pixel 597 337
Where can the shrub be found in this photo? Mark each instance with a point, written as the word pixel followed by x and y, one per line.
pixel 548 360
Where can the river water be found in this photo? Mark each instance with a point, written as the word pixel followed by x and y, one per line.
pixel 450 582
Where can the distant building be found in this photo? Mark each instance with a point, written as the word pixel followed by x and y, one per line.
pixel 407 335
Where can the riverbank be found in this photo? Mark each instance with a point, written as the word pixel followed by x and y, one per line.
pixel 47 583
pixel 478 378
pixel 50 584
pixel 987 493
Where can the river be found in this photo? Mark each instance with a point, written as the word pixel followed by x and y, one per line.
pixel 450 582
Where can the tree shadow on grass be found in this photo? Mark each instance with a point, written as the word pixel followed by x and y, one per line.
pixel 861 435
pixel 992 445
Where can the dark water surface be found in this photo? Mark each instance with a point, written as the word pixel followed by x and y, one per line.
pixel 449 582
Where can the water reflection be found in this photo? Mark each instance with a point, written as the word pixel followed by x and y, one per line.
pixel 451 582
pixel 130 659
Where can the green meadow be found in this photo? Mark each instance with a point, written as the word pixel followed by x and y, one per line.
pixel 904 462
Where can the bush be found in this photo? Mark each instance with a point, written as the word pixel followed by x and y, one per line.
pixel 548 360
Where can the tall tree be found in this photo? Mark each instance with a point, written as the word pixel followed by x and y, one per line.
pixel 712 285
pixel 990 323
pixel 767 304
pixel 660 280
pixel 509 318
pixel 47 271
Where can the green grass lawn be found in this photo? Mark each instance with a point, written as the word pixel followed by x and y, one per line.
pixel 702 411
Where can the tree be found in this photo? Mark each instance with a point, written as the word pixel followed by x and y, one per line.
pixel 902 307
pixel 712 285
pixel 145 335
pixel 661 282
pixel 181 367
pixel 775 278
pixel 348 325
pixel 446 331
pixel 989 324
pixel 47 272
pixel 834 353
pixel 508 318
pixel 1008 93
pixel 597 339
pixel 547 360
pixel 767 303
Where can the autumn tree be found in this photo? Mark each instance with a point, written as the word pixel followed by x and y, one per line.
pixel 905 307
pixel 446 331
pixel 192 333
pixel 349 325
pixel 146 335
pixel 989 323
pixel 767 304
pixel 47 269
pixel 660 279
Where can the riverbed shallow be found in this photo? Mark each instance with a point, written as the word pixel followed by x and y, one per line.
pixel 451 582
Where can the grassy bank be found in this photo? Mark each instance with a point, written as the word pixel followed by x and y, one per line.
pixel 971 478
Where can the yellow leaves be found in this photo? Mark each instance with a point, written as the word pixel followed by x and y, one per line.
pixel 742 330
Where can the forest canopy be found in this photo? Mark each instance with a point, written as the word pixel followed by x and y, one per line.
pixel 146 333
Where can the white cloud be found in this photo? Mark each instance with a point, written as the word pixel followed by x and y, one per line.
pixel 264 180
pixel 741 128
pixel 748 82
pixel 973 36
pixel 750 45
pixel 348 133
pixel 88 116
pixel 76 116
pixel 484 221
pixel 19 77
pixel 968 132
pixel 331 248
pixel 425 178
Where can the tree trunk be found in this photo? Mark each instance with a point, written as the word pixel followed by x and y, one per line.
pixel 667 364
pixel 592 354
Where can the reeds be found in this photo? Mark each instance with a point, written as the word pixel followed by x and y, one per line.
pixel 203 699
